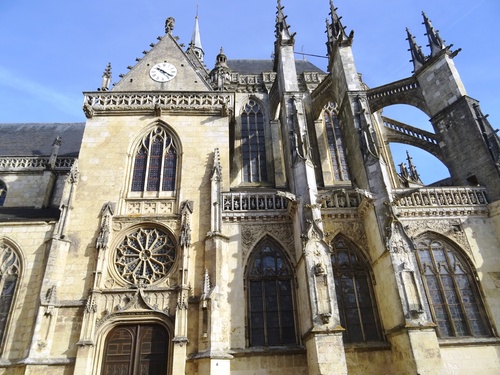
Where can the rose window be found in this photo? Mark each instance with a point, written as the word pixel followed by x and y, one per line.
pixel 145 255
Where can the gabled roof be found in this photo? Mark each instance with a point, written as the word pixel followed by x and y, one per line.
pixel 249 66
pixel 37 139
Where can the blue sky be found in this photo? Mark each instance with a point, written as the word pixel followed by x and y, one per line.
pixel 52 50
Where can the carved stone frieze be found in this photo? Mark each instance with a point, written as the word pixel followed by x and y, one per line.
pixel 252 233
pixel 451 228
pixel 134 301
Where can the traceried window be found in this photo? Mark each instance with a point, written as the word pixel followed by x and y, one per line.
pixel 145 256
pixel 451 290
pixel 271 317
pixel 357 308
pixel 253 143
pixel 136 349
pixel 337 151
pixel 155 162
pixel 3 192
pixel 9 276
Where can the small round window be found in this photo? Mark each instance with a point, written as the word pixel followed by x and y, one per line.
pixel 146 255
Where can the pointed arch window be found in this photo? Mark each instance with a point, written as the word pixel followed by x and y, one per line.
pixel 271 316
pixel 253 143
pixel 9 277
pixel 136 349
pixel 335 144
pixel 451 289
pixel 155 162
pixel 353 286
pixel 3 192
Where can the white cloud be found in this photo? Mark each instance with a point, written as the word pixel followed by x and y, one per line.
pixel 63 103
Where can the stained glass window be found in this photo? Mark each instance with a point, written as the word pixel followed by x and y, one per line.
pixel 145 255
pixel 253 143
pixel 9 275
pixel 271 317
pixel 357 308
pixel 451 290
pixel 337 152
pixel 155 162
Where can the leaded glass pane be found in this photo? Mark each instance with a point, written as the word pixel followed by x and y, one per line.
pixel 253 144
pixel 155 163
pixel 9 274
pixel 270 298
pixel 3 192
pixel 354 296
pixel 337 151
pixel 451 289
pixel 145 255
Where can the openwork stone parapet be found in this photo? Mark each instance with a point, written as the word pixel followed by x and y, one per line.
pixel 115 103
pixel 254 206
pixel 35 163
pixel 452 201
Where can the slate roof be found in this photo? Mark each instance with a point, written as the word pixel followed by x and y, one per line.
pixel 37 139
pixel 248 66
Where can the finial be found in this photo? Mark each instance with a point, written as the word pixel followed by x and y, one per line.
pixel 337 29
pixel 417 57
pixel 106 78
pixel 282 32
pixel 169 25
pixel 435 41
pixel 413 169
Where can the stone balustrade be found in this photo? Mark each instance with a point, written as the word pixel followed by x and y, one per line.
pixel 245 201
pixel 441 197
pixel 33 163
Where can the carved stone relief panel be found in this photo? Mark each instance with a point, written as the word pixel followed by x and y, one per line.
pixel 352 229
pixel 251 234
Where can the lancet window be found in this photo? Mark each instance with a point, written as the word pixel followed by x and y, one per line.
pixel 337 151
pixel 9 277
pixel 3 192
pixel 155 162
pixel 253 143
pixel 451 288
pixel 353 285
pixel 271 317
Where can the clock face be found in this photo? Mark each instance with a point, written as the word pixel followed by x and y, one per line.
pixel 163 72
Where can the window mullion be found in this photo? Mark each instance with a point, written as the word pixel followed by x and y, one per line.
pixel 264 310
pixel 459 294
pixel 278 303
pixel 441 290
pixel 357 306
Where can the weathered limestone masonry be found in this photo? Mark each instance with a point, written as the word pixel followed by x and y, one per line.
pixel 250 219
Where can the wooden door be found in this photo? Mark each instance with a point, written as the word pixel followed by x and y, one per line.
pixel 136 350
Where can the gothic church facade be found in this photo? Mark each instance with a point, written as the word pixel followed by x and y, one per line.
pixel 249 219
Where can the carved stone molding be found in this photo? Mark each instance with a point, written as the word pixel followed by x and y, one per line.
pixel 250 234
pixel 352 229
pixel 451 228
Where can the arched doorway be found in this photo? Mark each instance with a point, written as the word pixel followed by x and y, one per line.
pixel 136 349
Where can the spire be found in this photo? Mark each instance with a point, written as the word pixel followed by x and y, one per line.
pixel 195 44
pixel 106 78
pixel 283 35
pixel 417 57
pixel 435 41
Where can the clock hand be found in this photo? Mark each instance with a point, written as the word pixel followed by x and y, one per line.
pixel 164 72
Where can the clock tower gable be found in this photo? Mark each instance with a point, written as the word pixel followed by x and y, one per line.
pixel 165 67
